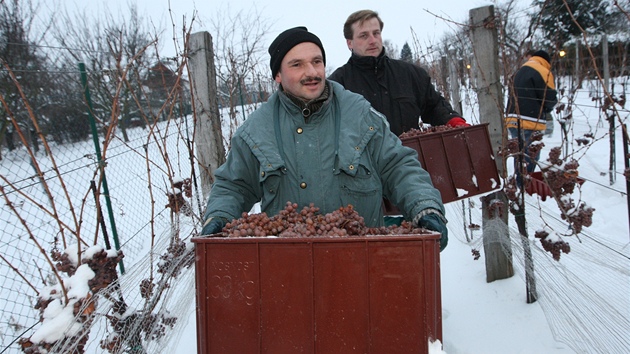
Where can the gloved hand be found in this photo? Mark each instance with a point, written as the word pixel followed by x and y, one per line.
pixel 213 225
pixel 457 122
pixel 433 221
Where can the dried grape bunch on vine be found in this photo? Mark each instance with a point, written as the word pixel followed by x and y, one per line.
pixel 562 177
pixel 536 145
pixel 512 146
pixel 555 247
pixel 98 267
pixel 309 222
pixel 176 201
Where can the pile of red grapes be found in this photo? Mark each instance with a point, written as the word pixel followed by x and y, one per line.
pixel 425 130
pixel 309 222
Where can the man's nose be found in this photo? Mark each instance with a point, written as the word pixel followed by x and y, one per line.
pixel 310 70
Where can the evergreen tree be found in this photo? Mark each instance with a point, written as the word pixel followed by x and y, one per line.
pixel 557 21
pixel 405 53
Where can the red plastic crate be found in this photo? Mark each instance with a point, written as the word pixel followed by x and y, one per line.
pixel 460 161
pixel 372 294
pixel 536 185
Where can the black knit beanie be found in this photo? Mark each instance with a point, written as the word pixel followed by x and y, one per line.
pixel 286 41
pixel 542 54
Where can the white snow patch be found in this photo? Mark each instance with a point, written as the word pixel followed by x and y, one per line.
pixel 435 347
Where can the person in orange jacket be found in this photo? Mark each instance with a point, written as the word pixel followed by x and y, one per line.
pixel 531 98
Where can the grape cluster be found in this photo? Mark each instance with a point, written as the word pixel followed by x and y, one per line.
pixel 534 148
pixel 562 181
pixel 104 267
pixel 511 147
pixel 577 218
pixel 176 258
pixel 553 247
pixel 309 222
pixel 84 308
pixel 510 189
pixel 554 156
pixel 425 130
pixel 582 141
pixel 176 201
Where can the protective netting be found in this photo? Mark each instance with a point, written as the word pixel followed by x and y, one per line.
pixel 136 314
pixel 584 296
pixel 49 206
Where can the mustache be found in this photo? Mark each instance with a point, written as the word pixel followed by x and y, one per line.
pixel 311 79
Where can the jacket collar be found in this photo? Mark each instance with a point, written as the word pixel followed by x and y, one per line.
pixel 543 68
pixel 538 60
pixel 312 106
pixel 369 62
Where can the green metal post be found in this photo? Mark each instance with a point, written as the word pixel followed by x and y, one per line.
pixel 240 92
pixel 101 163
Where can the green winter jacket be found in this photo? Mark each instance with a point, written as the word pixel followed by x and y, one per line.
pixel 343 154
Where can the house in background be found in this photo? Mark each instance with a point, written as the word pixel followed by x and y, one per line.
pixel 166 94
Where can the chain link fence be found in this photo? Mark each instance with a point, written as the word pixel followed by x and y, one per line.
pixel 49 203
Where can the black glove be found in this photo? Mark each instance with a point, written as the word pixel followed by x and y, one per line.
pixel 213 225
pixel 434 222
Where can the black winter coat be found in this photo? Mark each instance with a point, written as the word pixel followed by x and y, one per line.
pixel 403 92
pixel 532 95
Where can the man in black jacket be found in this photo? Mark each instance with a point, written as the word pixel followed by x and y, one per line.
pixel 402 91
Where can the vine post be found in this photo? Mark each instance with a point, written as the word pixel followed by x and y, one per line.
pixel 208 133
pixel 496 239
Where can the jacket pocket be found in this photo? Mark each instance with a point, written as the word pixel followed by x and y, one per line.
pixel 270 181
pixel 406 108
pixel 362 189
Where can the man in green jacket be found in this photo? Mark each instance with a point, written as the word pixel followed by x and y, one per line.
pixel 315 142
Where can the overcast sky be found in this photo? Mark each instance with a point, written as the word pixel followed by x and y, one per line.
pixel 325 18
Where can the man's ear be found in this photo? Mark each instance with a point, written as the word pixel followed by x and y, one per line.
pixel 278 78
pixel 349 43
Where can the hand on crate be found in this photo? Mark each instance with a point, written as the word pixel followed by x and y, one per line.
pixel 456 122
pixel 433 220
pixel 213 225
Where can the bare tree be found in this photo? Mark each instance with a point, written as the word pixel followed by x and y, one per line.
pixel 391 49
pixel 118 53
pixel 239 51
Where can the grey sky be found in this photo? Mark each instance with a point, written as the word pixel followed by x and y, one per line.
pixel 325 18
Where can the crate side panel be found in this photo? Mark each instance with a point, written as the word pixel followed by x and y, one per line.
pixel 458 156
pixel 397 300
pixel 483 160
pixel 228 296
pixel 342 306
pixel 432 289
pixel 431 149
pixel 200 293
pixel 286 273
